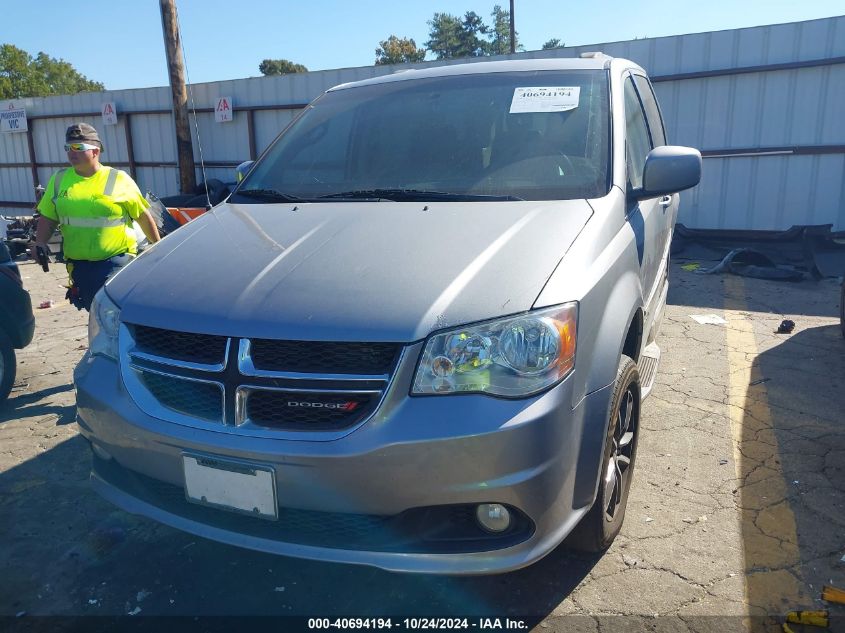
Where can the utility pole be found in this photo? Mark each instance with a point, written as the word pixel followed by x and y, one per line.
pixel 176 70
pixel 513 31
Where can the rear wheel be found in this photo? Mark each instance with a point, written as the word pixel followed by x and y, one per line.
pixel 602 523
pixel 7 366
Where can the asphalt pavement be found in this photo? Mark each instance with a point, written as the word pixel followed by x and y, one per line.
pixel 736 514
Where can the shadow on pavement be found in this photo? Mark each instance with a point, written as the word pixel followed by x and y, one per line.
pixel 72 553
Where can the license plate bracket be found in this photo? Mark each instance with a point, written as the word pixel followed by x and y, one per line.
pixel 241 487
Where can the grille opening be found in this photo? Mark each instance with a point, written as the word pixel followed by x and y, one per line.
pixel 194 348
pixel 307 412
pixel 188 397
pixel 324 357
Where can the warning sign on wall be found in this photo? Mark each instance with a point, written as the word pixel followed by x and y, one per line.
pixel 109 112
pixel 223 109
pixel 13 119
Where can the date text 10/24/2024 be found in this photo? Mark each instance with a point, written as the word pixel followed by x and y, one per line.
pixel 431 623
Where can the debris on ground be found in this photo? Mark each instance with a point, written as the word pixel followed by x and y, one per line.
pixel 759 382
pixel 833 594
pixel 142 594
pixel 708 319
pixel 45 304
pixel 135 611
pixel 691 266
pixel 810 618
pixel 786 326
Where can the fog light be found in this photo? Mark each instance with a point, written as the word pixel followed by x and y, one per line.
pixel 493 517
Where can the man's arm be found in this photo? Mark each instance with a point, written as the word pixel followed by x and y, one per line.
pixel 44 230
pixel 148 226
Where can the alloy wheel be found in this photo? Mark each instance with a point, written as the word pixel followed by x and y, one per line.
pixel 619 466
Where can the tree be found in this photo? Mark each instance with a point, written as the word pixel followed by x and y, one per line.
pixel 394 50
pixel 22 76
pixel 452 38
pixel 553 43
pixel 500 34
pixel 280 67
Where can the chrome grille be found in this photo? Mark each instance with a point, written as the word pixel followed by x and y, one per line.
pixel 190 397
pixel 195 348
pixel 324 357
pixel 259 386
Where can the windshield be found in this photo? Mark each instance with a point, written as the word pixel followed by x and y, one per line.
pixel 515 136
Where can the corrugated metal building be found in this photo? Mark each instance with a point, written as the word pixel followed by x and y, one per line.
pixel 763 104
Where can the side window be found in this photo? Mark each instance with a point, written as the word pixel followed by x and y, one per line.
pixel 652 112
pixel 637 144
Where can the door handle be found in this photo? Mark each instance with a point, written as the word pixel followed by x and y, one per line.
pixel 665 201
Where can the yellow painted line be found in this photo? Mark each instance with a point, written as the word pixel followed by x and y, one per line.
pixel 769 534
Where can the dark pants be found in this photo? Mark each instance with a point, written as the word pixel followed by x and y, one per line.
pixel 88 277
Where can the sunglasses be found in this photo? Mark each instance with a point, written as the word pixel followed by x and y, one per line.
pixel 79 147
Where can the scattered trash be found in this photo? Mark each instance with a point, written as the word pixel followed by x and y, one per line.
pixel 280 589
pixel 832 594
pixel 188 545
pixel 810 618
pixel 708 319
pixel 750 263
pixel 543 625
pixel 796 482
pixel 172 601
pixel 630 561
pixel 93 601
pixel 723 462
pixel 688 520
pixel 759 382
pixel 135 611
pixel 691 266
pixel 142 594
pixel 842 560
pixel 45 304
pixel 786 326
pixel 648 519
pixel 20 614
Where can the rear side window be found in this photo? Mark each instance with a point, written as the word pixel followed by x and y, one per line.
pixel 652 112
pixel 637 144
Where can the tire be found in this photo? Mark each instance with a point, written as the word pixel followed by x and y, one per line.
pixel 602 523
pixel 7 366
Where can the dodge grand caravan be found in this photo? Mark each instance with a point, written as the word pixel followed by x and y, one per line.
pixel 417 335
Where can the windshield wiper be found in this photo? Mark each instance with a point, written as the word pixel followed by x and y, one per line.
pixel 268 194
pixel 398 195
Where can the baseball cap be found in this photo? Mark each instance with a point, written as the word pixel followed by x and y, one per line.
pixel 83 133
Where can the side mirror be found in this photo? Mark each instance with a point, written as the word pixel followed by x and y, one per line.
pixel 669 169
pixel 243 169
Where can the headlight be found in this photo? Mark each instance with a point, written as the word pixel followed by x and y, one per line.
pixel 103 325
pixel 515 357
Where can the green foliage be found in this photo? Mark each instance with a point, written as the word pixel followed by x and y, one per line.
pixel 553 43
pixel 280 67
pixel 22 76
pixel 451 37
pixel 394 50
pixel 500 33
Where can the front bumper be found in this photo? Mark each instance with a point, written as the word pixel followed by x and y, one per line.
pixel 538 456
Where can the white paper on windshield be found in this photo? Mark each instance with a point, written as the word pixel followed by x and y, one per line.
pixel 545 99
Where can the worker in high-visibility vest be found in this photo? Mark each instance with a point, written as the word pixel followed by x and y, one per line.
pixel 94 206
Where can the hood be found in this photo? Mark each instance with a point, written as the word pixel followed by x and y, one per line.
pixel 348 271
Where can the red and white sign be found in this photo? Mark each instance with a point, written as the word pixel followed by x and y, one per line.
pixel 109 112
pixel 223 110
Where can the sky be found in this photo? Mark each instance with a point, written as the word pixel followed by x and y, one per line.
pixel 119 43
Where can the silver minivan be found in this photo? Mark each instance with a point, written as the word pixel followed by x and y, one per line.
pixel 418 334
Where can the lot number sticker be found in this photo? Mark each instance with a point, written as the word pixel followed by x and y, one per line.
pixel 545 99
pixel 223 110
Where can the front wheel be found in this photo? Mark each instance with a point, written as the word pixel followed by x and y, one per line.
pixel 602 523
pixel 7 366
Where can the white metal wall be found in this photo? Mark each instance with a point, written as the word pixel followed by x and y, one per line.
pixel 775 108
